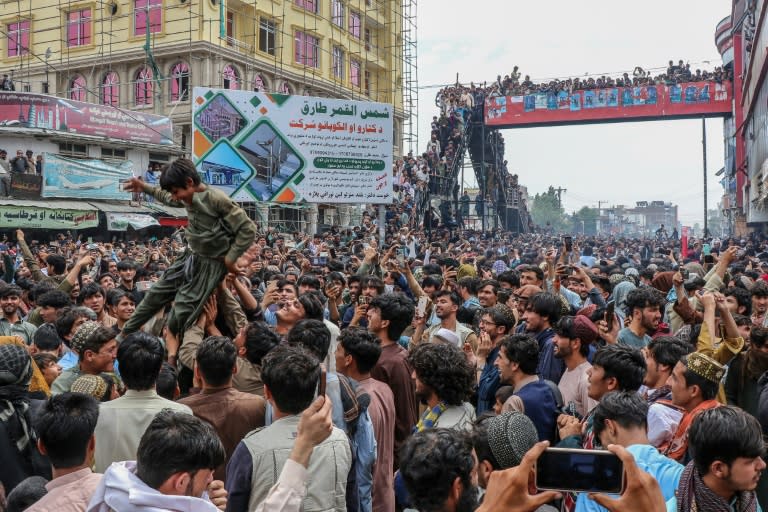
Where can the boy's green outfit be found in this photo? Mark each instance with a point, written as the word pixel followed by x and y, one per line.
pixel 217 229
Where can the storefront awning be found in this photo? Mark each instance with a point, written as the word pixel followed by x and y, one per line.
pixel 173 222
pixel 121 221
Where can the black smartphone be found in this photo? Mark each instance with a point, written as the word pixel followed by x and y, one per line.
pixel 577 470
pixel 708 258
pixel 321 384
pixel 568 240
pixel 610 315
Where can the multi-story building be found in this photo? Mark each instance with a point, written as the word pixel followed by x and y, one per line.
pixel 147 55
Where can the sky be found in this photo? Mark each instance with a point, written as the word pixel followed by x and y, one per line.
pixel 617 164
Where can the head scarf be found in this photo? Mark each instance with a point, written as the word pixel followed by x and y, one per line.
pixel 693 494
pixel 620 293
pixel 15 375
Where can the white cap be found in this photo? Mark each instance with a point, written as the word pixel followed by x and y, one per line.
pixel 447 336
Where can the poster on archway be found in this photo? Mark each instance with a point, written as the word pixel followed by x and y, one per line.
pixel 259 147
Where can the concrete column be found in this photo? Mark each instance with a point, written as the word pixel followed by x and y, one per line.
pixel 311 217
pixel 263 220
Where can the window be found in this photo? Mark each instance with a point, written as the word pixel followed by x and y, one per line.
pixel 284 88
pixel 354 72
pixel 310 5
pixel 258 83
pixel 77 88
pixel 354 24
pixel 180 82
pixel 144 87
pixel 337 13
pixel 338 62
pixel 79 27
pixel 367 82
pixel 367 39
pixel 112 154
pixel 267 32
pixel 18 38
pixel 307 50
pixel 147 12
pixel 231 77
pixel 158 157
pixel 230 27
pixel 76 150
pixel 110 92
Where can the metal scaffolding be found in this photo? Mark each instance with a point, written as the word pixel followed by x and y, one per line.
pixel 410 77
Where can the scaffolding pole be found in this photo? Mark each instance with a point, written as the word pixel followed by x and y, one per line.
pixel 410 76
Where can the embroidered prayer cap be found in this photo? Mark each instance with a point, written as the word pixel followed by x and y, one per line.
pixel 82 333
pixel 705 366
pixel 93 385
pixel 510 436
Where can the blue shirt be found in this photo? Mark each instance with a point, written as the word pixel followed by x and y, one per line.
pixel 664 470
pixel 550 367
pixel 488 384
pixel 540 407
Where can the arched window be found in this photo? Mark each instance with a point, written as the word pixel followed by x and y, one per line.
pixel 258 83
pixel 231 77
pixel 180 82
pixel 77 88
pixel 284 88
pixel 110 90
pixel 143 87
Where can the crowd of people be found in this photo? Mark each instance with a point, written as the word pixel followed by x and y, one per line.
pixel 459 97
pixel 22 163
pixel 227 369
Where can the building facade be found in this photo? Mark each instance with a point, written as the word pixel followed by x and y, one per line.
pixel 147 55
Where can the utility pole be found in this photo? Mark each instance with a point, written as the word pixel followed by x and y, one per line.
pixel 704 152
pixel 560 191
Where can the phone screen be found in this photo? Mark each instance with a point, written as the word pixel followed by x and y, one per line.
pixel 579 471
pixel 321 384
pixel 609 312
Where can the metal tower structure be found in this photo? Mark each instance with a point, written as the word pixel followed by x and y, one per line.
pixel 410 77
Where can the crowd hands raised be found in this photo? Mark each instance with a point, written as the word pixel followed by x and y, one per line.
pixel 291 372
pixel 514 84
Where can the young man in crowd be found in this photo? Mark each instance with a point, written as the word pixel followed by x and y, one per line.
pixel 517 362
pixel 495 324
pixel 65 429
pixel 96 348
pixel 644 311
pixel 541 313
pixel 11 323
pixel 573 338
pixel 661 356
pixel 123 421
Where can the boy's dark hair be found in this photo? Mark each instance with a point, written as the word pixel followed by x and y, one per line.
pixel 28 492
pixel 523 350
pixel 38 290
pixel 433 281
pixel 372 282
pixel 216 357
pixel 625 364
pixel 56 299
pixel 97 339
pixel 396 308
pixel 362 345
pixel 547 305
pixel 176 174
pixel 57 262
pixel 166 382
pixel 640 298
pixel 313 306
pixel 259 340
pixel 480 438
pixel 758 336
pixel 140 356
pixel 310 281
pixel 125 265
pixel 176 442
pixel 501 315
pixel 472 284
pixel 65 426
pixel 453 296
pixel 504 392
pixel 668 350
pixel 489 282
pixel 115 295
pixel 707 387
pixel 66 320
pixel 291 373
pixel 742 298
pixel 312 335
pixel 626 408
pixel 760 289
pixel 44 359
pixel 531 268
pixel 430 462
pixel 724 433
pixel 10 290
pixel 90 290
pixel 445 369
pixel 511 277
pixel 46 338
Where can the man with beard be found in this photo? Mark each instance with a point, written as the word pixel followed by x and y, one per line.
pixel 495 324
pixel 759 294
pixel 727 448
pixel 446 306
pixel 661 356
pixel 11 323
pixel 643 308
